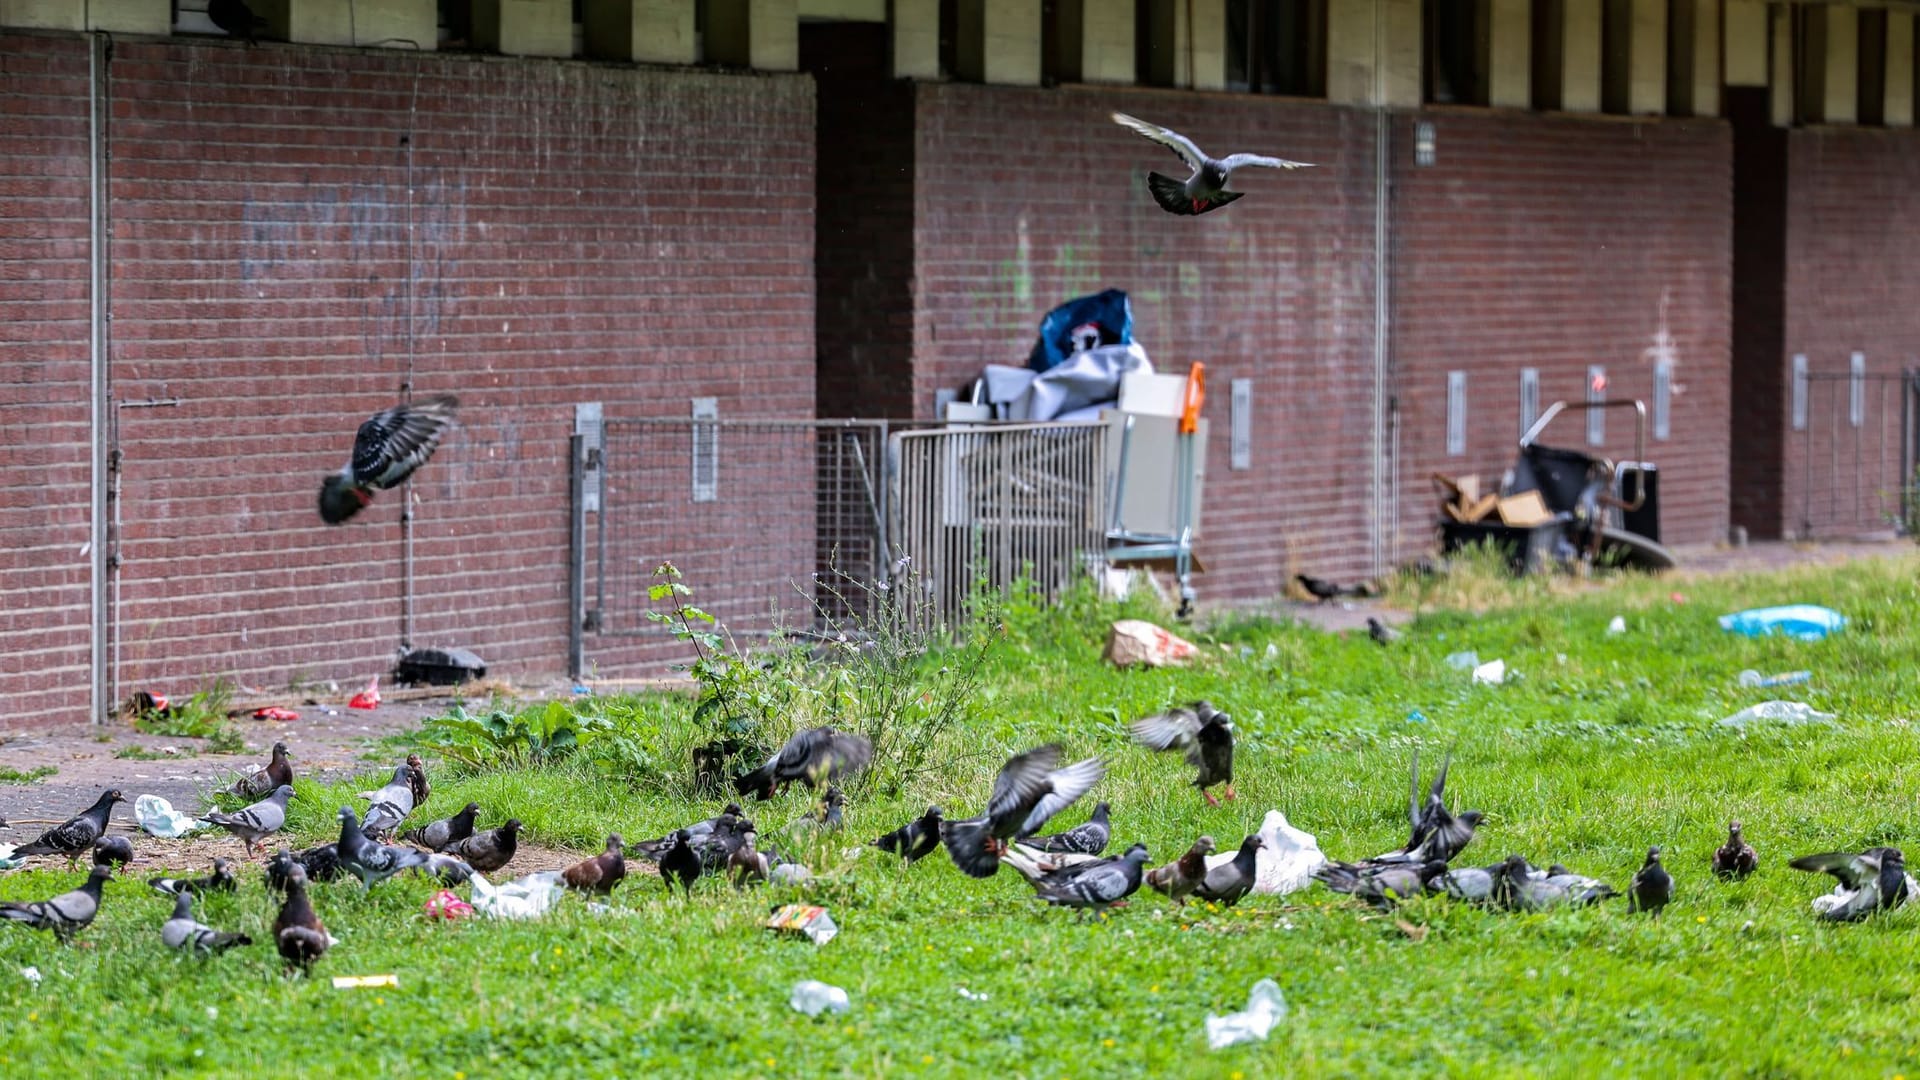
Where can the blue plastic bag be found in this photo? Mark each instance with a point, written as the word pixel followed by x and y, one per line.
pixel 1807 622
pixel 1110 311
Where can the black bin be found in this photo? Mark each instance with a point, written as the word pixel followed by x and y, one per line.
pixel 1627 478
pixel 1527 549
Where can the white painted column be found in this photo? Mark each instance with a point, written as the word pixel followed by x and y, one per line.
pixel 916 39
pixel 1096 40
pixel 1746 42
pixel 1510 53
pixel 125 16
pixel 998 41
pixel 760 34
pixel 398 24
pixel 1898 111
pixel 640 31
pixel 1374 52
pixel 524 27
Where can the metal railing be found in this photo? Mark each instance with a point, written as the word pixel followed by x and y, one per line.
pixel 1854 433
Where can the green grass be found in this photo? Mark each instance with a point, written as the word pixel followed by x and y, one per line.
pixel 11 775
pixel 1598 747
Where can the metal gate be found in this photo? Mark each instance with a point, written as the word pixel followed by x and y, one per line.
pixel 772 523
pixel 1854 433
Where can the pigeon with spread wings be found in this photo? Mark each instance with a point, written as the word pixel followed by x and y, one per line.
pixel 1206 189
pixel 390 446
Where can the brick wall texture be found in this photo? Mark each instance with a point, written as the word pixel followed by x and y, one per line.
pixel 300 234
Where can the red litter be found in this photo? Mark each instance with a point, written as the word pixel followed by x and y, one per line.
pixel 368 698
pixel 275 712
pixel 446 904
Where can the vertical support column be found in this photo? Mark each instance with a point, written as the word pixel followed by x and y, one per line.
pixel 916 39
pixel 1898 110
pixel 1693 56
pixel 998 41
pixel 1840 74
pixel 524 27
pixel 576 556
pixel 760 34
pixel 639 31
pixel 1374 53
pixel 1580 56
pixel 1745 32
pixel 100 391
pixel 1510 53
pixel 1781 76
pixel 1095 40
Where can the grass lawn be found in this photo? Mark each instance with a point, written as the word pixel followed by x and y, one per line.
pixel 1599 746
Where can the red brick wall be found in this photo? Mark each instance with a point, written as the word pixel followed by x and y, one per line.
pixel 1029 197
pixel 44 376
pixel 1555 242
pixel 578 233
pixel 1852 279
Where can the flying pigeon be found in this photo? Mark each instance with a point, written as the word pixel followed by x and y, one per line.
pixel 748 863
pixel 1204 732
pixel 680 863
pixel 601 873
pixel 446 832
pixel 183 932
pixel 221 880
pixel 1179 878
pixel 1206 189
pixel 1028 791
pixel 814 756
pixel 1381 632
pixel 916 839
pixel 1437 833
pixel 489 851
pixel 1098 884
pixel 1090 838
pixel 1736 858
pixel 417 780
pixel 390 805
pixel 389 447
pixel 1651 886
pixel 263 818
pixel 236 18
pixel 371 862
pixel 274 774
pixel 297 931
pixel 1874 880
pixel 113 851
pixel 1382 886
pixel 1230 881
pixel 66 914
pixel 75 836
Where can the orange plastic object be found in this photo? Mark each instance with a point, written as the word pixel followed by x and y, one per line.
pixel 1196 398
pixel 275 712
pixel 368 698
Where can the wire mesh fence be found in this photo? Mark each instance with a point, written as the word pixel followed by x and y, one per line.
pixel 1854 434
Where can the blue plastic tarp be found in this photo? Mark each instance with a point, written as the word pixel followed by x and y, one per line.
pixel 1110 312
pixel 1807 622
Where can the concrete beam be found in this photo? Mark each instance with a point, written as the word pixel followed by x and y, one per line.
pixel 1168 55
pixel 398 24
pixel 124 16
pixel 1693 79
pixel 640 31
pixel 1095 39
pixel 1840 82
pixel 1580 60
pixel 759 34
pixel 1745 27
pixel 1374 52
pixel 524 27
pixel 916 39
pixel 1781 68
pixel 1635 73
pixel 874 11
pixel 998 41
pixel 1509 53
pixel 1898 111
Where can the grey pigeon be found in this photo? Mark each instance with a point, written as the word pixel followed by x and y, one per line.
pixel 1872 881
pixel 1026 794
pixel 1382 886
pixel 813 757
pixel 1206 189
pixel 66 914
pixel 1179 878
pixel 321 863
pixel 112 851
pixel 916 839
pixel 1098 884
pixel 726 818
pixel 717 846
pixel 367 860
pixel 490 850
pixel 680 863
pixel 297 931
pixel 275 773
pixel 388 448
pixel 1651 886
pixel 75 836
pixel 263 818
pixel 182 932
pixel 1090 838
pixel 1437 833
pixel 1228 882
pixel 1381 632
pixel 1204 732
pixel 1474 884
pixel 221 880
pixel 1517 888
pixel 1736 858
pixel 449 870
pixel 827 817
pixel 446 832
pixel 390 805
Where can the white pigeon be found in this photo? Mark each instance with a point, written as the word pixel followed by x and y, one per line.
pixel 1287 862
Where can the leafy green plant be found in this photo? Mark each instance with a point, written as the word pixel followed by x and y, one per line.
pixel 10 775
pixel 202 716
pixel 541 734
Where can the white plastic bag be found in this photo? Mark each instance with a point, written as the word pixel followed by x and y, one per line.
pixel 158 818
pixel 1491 673
pixel 1287 862
pixel 814 997
pixel 1266 1006
pixel 522 898
pixel 1784 713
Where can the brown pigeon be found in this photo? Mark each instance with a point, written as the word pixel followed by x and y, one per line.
pixel 297 931
pixel 1179 878
pixel 1736 859
pixel 601 873
pixel 271 776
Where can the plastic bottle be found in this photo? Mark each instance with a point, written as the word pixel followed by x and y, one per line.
pixel 1752 678
pixel 814 997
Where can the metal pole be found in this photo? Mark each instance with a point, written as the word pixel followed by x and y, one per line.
pixel 100 417
pixel 576 557
pixel 1382 142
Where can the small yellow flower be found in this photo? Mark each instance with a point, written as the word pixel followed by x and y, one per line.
pixel 459 1075
pixel 1108 1043
pixel 769 1063
pixel 1154 989
pixel 1845 1050
pixel 926 1059
pixel 32 1016
pixel 556 950
pixel 929 948
pixel 1237 1075
pixel 1700 919
pixel 379 1001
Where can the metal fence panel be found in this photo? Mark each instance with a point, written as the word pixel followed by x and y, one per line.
pixel 1854 436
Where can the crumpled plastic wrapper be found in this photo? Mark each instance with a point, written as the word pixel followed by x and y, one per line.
pixel 1266 1006
pixel 1287 862
pixel 7 861
pixel 157 817
pixel 446 904
pixel 529 897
